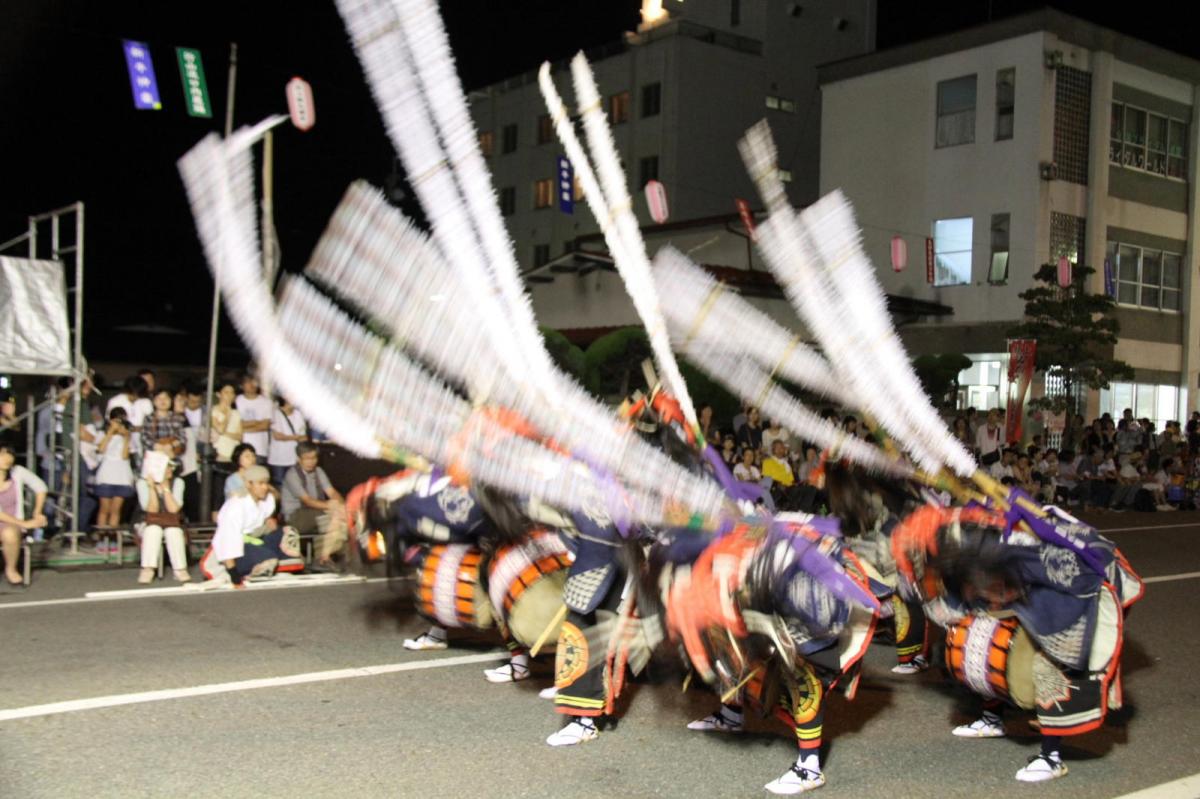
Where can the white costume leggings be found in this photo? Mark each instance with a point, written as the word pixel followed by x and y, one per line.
pixel 152 540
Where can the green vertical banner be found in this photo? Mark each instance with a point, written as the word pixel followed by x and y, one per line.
pixel 195 88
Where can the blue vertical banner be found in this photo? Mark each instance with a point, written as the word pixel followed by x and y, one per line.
pixel 1110 279
pixel 141 76
pixel 566 186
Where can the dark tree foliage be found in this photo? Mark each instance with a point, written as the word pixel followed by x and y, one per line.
pixel 565 355
pixel 939 376
pixel 1075 333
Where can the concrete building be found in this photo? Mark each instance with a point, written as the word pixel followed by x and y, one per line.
pixel 679 93
pixel 1008 146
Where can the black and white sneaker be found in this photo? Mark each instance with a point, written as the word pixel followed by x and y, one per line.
pixel 1042 767
pixel 796 780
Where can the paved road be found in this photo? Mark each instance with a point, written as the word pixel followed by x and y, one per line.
pixel 442 731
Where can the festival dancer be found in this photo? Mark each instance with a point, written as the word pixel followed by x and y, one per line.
pixel 248 541
pixel 778 615
pixel 1034 616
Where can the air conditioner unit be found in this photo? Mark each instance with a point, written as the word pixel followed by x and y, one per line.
pixel 1054 59
pixel 1048 170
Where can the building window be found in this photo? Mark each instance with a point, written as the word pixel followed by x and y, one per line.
pixel 1072 116
pixel 618 108
pixel 1158 403
pixel 998 271
pixel 508 142
pixel 487 143
pixel 781 104
pixel 1147 278
pixel 508 200
pixel 543 193
pixel 952 251
pixel 1067 237
pixel 785 175
pixel 1141 139
pixel 956 111
pixel 1006 102
pixel 545 129
pixel 651 100
pixel 541 255
pixel 647 170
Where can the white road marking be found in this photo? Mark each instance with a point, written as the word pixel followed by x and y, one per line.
pixel 158 593
pixel 1166 578
pixel 1147 527
pixel 117 700
pixel 1183 788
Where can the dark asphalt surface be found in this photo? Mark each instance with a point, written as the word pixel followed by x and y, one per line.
pixel 446 732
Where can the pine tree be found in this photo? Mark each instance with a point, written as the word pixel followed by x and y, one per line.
pixel 1075 333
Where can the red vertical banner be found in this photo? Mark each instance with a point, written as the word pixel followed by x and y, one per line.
pixel 1022 353
pixel 929 260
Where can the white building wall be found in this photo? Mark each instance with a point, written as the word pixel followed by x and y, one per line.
pixel 878 147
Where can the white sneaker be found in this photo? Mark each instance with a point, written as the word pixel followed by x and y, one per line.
pixel 182 576
pixel 914 666
pixel 1041 768
pixel 217 583
pixel 146 576
pixel 423 642
pixel 574 734
pixel 796 780
pixel 980 728
pixel 509 672
pixel 548 693
pixel 717 722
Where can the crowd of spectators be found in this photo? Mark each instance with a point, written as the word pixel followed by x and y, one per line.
pixel 124 484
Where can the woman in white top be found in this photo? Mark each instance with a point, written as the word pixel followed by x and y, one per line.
pixel 114 476
pixel 226 432
pixel 287 429
pixel 746 471
pixel 14 480
pixel 162 503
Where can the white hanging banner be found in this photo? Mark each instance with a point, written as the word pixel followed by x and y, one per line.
pixel 34 335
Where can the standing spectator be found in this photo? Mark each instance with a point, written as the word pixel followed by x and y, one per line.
pixel 149 379
pixel 746 471
pixel 54 437
pixel 14 481
pixel 8 411
pixel 708 428
pixel 287 430
pixel 162 502
pixel 226 431
pixel 114 476
pixel 256 410
pixel 163 430
pixel 972 420
pixel 729 451
pixel 1129 434
pixel 962 433
pixel 750 434
pixel 740 418
pixel 137 408
pixel 311 504
pixel 988 439
pixel 189 472
pixel 774 433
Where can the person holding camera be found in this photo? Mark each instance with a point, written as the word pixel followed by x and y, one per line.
pixel 114 475
pixel 162 502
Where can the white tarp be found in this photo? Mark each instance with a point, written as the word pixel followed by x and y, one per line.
pixel 34 336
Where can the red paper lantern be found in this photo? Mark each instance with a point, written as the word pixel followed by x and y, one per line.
pixel 1064 272
pixel 899 254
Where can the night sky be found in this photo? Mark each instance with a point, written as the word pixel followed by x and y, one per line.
pixel 69 131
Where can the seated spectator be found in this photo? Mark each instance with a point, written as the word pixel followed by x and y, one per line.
pixel 312 505
pixel 287 430
pixel 163 430
pixel 162 503
pixel 248 541
pixel 750 434
pixel 747 471
pixel 244 457
pixel 850 426
pixel 1066 482
pixel 776 466
pixel 1129 481
pixel 1022 475
pixel 811 462
pixel 114 475
pixel 1004 467
pixel 15 480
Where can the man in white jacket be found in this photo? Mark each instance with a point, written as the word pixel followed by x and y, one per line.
pixel 248 541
